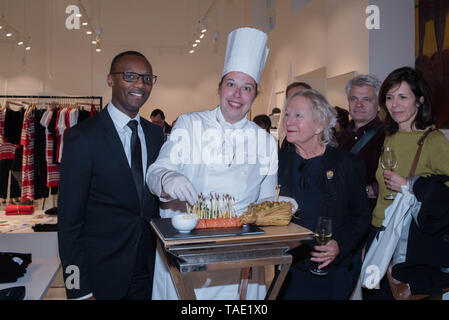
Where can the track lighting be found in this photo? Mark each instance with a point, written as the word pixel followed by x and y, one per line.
pixel 10 31
pixel 202 24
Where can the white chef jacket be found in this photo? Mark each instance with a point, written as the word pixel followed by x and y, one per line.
pixel 238 159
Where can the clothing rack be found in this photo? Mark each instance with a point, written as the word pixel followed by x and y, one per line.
pixel 55 98
pixel 97 99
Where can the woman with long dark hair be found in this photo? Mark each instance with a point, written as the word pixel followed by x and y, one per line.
pixel 407 100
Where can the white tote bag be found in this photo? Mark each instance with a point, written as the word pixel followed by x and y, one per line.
pixel 379 255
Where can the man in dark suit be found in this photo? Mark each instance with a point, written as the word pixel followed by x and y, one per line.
pixel 104 204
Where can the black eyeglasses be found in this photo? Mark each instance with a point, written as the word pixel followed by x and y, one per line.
pixel 134 77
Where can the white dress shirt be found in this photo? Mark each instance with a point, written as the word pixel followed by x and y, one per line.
pixel 124 132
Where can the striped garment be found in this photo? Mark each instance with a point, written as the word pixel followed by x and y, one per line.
pixel 52 168
pixel 27 140
pixel 7 150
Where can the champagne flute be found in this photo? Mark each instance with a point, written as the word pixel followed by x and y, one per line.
pixel 389 162
pixel 323 233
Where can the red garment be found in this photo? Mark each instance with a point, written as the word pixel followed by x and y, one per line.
pixel 52 168
pixel 27 140
pixel 15 209
pixel 93 111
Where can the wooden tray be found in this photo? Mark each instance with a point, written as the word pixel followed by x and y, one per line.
pixel 292 232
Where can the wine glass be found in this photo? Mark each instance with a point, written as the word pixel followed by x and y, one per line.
pixel 389 162
pixel 323 233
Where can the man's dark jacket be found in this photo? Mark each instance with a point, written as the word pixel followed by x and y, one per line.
pixel 100 216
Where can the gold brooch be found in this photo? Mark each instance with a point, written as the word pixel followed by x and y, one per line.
pixel 330 175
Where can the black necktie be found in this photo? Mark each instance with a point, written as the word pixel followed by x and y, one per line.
pixel 136 158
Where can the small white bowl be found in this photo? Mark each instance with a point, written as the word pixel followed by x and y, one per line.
pixel 184 223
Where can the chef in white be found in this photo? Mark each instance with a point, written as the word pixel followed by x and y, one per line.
pixel 220 152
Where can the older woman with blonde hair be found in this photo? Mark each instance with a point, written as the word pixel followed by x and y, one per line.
pixel 325 181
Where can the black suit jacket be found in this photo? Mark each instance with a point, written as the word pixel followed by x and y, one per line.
pixel 345 201
pixel 426 268
pixel 100 217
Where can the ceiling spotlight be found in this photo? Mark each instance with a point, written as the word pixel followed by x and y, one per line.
pixel 94 42
pixel 195 45
pixel 192 51
pixel 20 42
pixel 28 48
pixel 197 41
pixel 98 50
pixel 8 33
pixel 79 15
pixel 85 23
pixel 202 36
pixel 1 27
pixel 204 30
pixel 89 32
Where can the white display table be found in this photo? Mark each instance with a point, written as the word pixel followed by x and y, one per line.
pixel 17 235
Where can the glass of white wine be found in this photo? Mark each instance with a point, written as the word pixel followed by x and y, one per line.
pixel 389 162
pixel 323 233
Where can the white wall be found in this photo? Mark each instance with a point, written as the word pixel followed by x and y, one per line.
pixel 63 62
pixel 393 45
pixel 327 35
pixel 331 35
pixel 325 39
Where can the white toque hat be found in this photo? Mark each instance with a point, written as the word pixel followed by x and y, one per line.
pixel 246 52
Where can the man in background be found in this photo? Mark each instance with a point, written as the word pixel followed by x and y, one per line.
pixel 364 136
pixel 157 117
